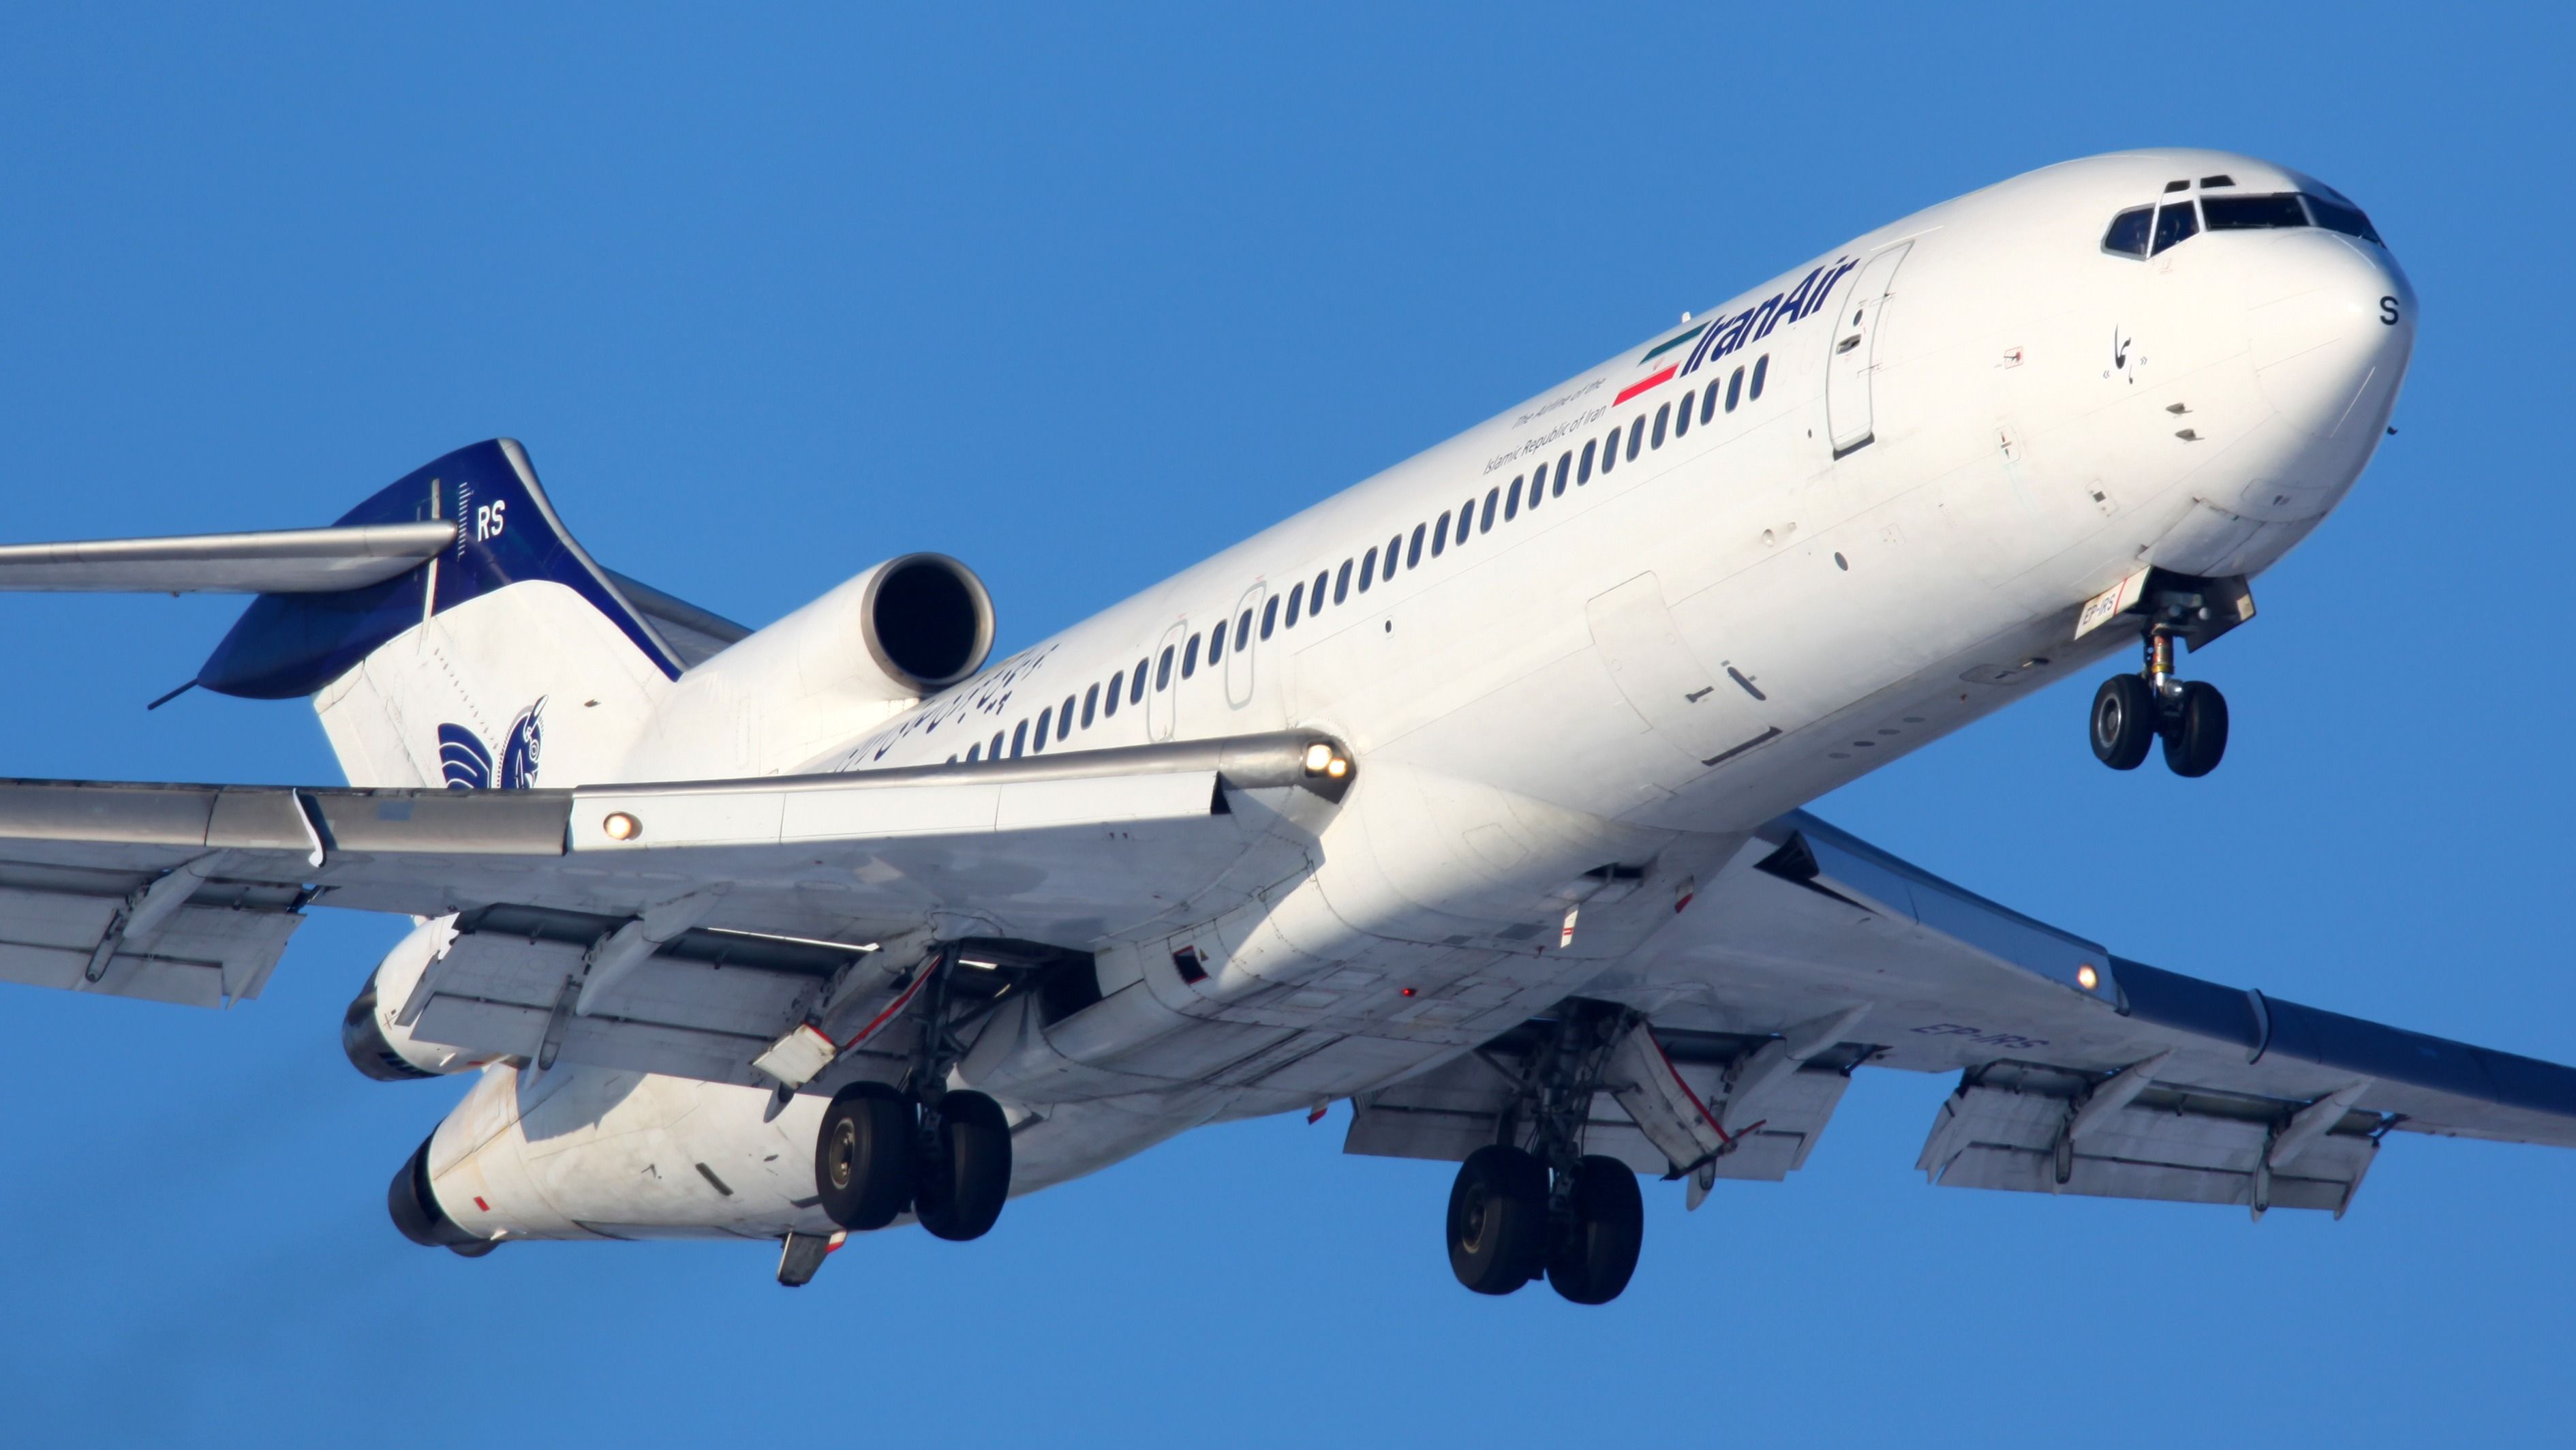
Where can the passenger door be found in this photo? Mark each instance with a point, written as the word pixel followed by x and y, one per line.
pixel 1854 343
pixel 1163 694
pixel 1238 656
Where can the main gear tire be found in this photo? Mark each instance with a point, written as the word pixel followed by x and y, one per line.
pixel 863 1157
pixel 2126 718
pixel 1498 1219
pixel 2196 737
pixel 1591 1258
pixel 962 1174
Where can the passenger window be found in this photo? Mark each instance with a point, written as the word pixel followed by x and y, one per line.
pixel 1117 682
pixel 1413 551
pixel 2175 222
pixel 1708 403
pixel 1734 389
pixel 1064 719
pixel 997 745
pixel 1342 583
pixel 1216 643
pixel 1538 485
pixel 1368 570
pixel 2128 234
pixel 1681 420
pixel 2244 213
pixel 1391 546
pixel 1315 600
pixel 1091 703
pixel 1045 716
pixel 1440 536
pixel 1564 461
pixel 1136 685
pixel 2336 217
pixel 1512 507
pixel 1019 739
pixel 974 752
pixel 1493 497
pixel 1190 658
pixel 1583 470
pixel 1163 670
pixel 1609 452
pixel 1242 629
pixel 1466 518
pixel 1296 597
pixel 1269 616
pixel 1663 415
pixel 1761 366
pixel 1636 436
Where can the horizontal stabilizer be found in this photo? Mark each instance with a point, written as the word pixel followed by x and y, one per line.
pixel 280 561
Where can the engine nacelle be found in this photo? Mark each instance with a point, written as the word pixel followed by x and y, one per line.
pixel 836 667
pixel 584 1153
pixel 375 1044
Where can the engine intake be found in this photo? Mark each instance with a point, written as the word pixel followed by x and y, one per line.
pixel 927 620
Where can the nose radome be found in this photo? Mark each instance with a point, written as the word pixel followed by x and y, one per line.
pixel 2331 322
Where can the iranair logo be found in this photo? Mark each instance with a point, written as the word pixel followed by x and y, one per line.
pixel 466 761
pixel 1727 332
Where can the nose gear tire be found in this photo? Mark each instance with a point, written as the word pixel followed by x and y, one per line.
pixel 1590 1259
pixel 962 1175
pixel 863 1157
pixel 2196 736
pixel 2125 721
pixel 1498 1220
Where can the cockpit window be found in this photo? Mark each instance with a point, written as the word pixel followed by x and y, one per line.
pixel 2128 233
pixel 2336 217
pixel 2239 213
pixel 2174 222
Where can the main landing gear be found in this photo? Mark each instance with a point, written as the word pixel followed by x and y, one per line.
pixel 1516 1215
pixel 943 1153
pixel 2131 712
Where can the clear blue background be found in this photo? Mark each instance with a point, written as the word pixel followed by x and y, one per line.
pixel 1079 300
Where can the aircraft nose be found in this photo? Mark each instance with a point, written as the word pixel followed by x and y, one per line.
pixel 2331 321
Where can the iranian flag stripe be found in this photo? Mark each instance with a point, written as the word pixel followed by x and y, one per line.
pixel 1642 384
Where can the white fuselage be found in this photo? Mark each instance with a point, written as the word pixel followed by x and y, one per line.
pixel 1642 664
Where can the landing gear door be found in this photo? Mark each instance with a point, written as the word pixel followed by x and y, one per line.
pixel 1854 344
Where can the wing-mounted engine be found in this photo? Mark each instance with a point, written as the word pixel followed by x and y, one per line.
pixel 865 651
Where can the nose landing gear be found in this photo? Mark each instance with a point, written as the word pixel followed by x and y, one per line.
pixel 2131 712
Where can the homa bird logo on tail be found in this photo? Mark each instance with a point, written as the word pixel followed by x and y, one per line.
pixel 466 761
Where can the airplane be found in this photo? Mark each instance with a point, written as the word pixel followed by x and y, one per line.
pixel 1471 796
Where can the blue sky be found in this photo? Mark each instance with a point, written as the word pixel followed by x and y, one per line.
pixel 1079 300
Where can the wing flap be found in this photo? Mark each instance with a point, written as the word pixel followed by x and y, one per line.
pixel 2186 1089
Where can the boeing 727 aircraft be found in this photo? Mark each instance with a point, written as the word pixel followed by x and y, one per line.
pixel 1470 794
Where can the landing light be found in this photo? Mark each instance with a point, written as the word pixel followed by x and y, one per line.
pixel 2087 978
pixel 1337 767
pixel 1318 757
pixel 621 827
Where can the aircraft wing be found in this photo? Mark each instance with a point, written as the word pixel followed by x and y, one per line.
pixel 730 907
pixel 1812 953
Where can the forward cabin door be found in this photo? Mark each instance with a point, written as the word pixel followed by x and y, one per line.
pixel 1854 340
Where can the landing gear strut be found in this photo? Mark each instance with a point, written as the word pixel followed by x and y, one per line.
pixel 1517 1214
pixel 2131 712
pixel 945 1154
